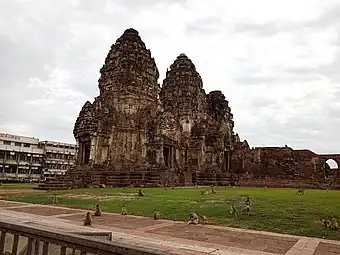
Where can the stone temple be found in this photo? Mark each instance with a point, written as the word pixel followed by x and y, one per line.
pixel 138 133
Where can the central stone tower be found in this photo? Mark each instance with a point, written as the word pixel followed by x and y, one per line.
pixel 129 75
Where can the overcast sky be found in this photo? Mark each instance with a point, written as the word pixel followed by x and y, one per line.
pixel 277 62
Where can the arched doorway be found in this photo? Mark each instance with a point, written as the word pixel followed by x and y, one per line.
pixel 332 170
pixel 332 164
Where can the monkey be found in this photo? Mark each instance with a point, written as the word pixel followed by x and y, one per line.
pixel 301 191
pixel 193 219
pixel 87 220
pixel 265 188
pixel 246 209
pixel 124 211
pixel 54 200
pixel 248 201
pixel 203 219
pixel 204 192
pixel 334 224
pixel 156 215
pixel 213 190
pixel 141 193
pixel 97 212
pixel 233 211
pixel 327 221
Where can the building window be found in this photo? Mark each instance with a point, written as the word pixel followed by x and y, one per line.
pixel 7 142
pixel 27 145
pixel 17 144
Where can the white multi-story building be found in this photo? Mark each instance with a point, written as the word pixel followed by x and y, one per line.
pixel 58 157
pixel 24 157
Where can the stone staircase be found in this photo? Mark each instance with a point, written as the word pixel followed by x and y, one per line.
pixel 219 179
pixel 80 177
pixel 137 179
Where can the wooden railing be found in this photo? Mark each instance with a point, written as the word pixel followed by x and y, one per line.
pixel 25 239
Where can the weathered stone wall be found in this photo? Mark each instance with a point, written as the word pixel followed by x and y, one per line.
pixel 277 166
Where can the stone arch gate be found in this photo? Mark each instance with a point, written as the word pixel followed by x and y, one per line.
pixel 335 172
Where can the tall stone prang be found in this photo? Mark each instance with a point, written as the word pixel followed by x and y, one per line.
pixel 219 134
pixel 129 74
pixel 183 94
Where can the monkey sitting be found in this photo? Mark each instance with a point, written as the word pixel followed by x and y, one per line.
pixel 246 209
pixel 265 188
pixel 331 223
pixel 124 211
pixel 156 215
pixel 248 201
pixel 88 220
pixel 204 192
pixel 203 219
pixel 334 224
pixel 193 219
pixel 141 193
pixel 213 190
pixel 301 191
pixel 97 212
pixel 233 211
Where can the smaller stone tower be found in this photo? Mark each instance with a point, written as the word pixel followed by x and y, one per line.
pixel 182 93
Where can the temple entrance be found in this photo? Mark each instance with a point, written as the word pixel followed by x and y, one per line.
pixel 194 178
pixel 87 150
pixel 167 156
pixel 227 160
pixel 331 168
pixel 332 164
pixel 181 179
pixel 84 153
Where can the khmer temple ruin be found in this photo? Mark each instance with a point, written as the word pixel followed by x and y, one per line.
pixel 138 133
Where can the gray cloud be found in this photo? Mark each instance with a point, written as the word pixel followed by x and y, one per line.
pixel 329 18
pixel 203 26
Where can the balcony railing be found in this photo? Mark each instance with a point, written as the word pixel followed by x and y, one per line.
pixel 34 239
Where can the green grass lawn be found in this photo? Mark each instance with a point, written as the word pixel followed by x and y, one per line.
pixel 18 186
pixel 277 210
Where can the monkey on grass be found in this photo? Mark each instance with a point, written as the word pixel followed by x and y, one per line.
pixel 141 193
pixel 247 206
pixel 156 215
pixel 301 191
pixel 193 219
pixel 124 211
pixel 204 192
pixel 246 209
pixel 331 223
pixel 233 211
pixel 203 219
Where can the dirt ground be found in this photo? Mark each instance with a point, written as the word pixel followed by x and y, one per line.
pixel 6 192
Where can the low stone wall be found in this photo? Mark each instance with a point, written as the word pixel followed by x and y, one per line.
pixel 19 238
pixel 281 184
